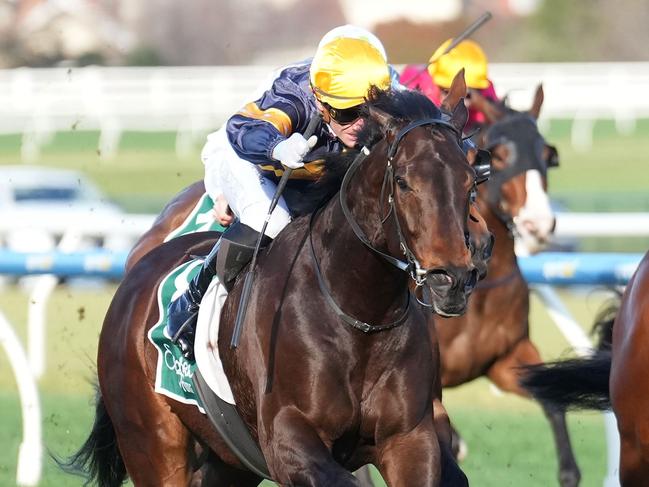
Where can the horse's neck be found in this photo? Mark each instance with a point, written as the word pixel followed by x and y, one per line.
pixel 361 282
pixel 503 258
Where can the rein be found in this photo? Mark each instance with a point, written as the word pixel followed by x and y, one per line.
pixel 350 320
pixel 411 265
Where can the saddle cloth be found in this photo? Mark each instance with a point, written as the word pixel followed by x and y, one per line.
pixel 200 219
pixel 174 373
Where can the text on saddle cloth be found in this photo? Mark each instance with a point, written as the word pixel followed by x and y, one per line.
pixel 174 373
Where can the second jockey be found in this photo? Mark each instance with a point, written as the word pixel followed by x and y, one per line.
pixel 246 157
pixel 436 79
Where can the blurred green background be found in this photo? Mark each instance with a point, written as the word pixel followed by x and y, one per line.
pixel 509 440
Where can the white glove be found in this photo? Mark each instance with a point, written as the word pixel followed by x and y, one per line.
pixel 291 151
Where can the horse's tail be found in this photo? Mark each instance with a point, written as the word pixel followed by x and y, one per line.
pixel 580 383
pixel 99 458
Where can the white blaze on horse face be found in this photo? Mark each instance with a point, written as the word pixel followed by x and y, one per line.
pixel 535 221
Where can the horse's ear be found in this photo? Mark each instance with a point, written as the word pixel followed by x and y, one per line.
pixel 535 111
pixel 456 92
pixel 490 110
pixel 453 103
pixel 385 121
pixel 459 116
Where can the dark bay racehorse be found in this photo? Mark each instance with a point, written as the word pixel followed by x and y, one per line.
pixel 492 338
pixel 321 396
pixel 614 377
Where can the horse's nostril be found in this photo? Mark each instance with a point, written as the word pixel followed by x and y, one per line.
pixel 439 279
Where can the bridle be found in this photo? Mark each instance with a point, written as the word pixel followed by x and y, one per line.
pixel 410 265
pixel 494 136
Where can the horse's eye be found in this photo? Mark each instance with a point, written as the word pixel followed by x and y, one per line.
pixel 401 182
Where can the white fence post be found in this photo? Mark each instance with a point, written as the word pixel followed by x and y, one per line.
pixel 30 453
pixel 37 307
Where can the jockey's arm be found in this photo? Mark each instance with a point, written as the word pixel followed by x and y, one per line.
pixel 260 126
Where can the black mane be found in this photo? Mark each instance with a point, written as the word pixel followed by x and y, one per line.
pixel 403 105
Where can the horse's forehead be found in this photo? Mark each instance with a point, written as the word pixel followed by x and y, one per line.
pixel 437 152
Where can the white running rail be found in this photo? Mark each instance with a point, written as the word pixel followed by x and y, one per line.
pixel 191 101
pixel 30 453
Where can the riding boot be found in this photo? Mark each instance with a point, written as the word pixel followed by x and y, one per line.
pixel 230 254
pixel 183 311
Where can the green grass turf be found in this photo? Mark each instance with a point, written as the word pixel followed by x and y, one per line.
pixel 508 438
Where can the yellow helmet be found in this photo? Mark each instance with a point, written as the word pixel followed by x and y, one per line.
pixel 468 55
pixel 343 70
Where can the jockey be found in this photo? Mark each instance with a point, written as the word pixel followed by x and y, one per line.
pixel 245 159
pixel 442 68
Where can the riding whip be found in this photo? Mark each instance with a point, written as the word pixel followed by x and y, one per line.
pixel 485 17
pixel 247 284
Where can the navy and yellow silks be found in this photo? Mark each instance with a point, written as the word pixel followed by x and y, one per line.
pixel 285 108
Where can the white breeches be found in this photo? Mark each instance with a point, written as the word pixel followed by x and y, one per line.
pixel 247 192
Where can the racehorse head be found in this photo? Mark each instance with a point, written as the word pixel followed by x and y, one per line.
pixel 416 192
pixel 517 189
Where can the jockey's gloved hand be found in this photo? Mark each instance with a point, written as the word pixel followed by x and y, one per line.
pixel 291 151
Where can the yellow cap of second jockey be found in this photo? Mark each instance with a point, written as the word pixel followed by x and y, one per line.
pixel 468 55
pixel 343 70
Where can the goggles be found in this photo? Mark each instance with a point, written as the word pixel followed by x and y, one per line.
pixel 345 116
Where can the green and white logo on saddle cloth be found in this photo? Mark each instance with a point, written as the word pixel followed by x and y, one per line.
pixel 200 219
pixel 174 373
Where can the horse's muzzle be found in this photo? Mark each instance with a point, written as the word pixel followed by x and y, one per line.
pixel 450 288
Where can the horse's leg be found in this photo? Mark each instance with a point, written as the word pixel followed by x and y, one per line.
pixel 504 374
pixel 154 443
pixel 458 446
pixel 413 459
pixel 634 468
pixel 452 475
pixel 297 456
pixel 215 473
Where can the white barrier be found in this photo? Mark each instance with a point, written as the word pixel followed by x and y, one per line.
pixel 30 453
pixel 134 225
pixel 193 100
